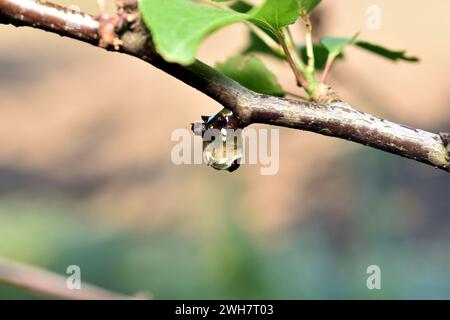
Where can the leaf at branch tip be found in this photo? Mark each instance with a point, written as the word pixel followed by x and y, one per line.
pixel 256 45
pixel 386 53
pixel 178 27
pixel 336 46
pixel 251 72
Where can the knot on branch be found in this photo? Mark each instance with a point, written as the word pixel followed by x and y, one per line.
pixel 445 136
pixel 108 30
pixel 125 31
pixel 129 6
pixel 112 27
pixel 324 94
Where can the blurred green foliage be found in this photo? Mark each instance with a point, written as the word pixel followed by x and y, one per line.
pixel 315 259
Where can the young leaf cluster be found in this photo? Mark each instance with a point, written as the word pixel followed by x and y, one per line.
pixel 179 27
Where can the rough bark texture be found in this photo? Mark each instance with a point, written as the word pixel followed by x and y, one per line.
pixel 336 118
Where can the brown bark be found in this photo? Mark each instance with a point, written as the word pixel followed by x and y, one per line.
pixel 336 118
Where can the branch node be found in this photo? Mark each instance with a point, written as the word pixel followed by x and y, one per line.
pixel 107 31
pixel 445 136
pixel 325 94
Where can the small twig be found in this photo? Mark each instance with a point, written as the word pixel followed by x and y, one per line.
pixel 331 59
pixel 50 284
pixel 327 69
pixel 264 37
pixel 294 50
pixel 292 57
pixel 306 71
pixel 309 43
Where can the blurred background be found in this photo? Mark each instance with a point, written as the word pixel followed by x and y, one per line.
pixel 86 177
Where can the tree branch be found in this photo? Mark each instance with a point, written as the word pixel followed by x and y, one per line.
pixel 50 284
pixel 336 119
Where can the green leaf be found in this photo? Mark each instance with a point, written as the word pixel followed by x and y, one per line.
pixel 275 14
pixel 244 7
pixel 386 53
pixel 251 72
pixel 256 45
pixel 178 27
pixel 320 55
pixel 241 6
pixel 308 5
pixel 336 46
